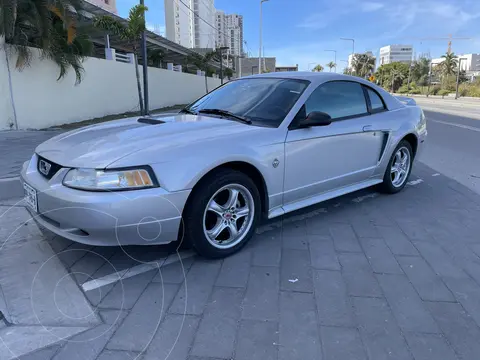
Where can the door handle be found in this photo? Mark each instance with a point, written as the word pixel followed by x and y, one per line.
pixel 367 128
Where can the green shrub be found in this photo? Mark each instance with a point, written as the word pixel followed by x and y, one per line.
pixel 443 92
pixel 415 91
pixel 403 89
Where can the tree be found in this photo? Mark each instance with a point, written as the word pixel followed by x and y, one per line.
pixel 131 33
pixel 202 62
pixel 449 65
pixel 155 57
pixel 331 65
pixel 318 68
pixel 228 73
pixel 51 26
pixel 363 64
pixel 347 71
pixel 420 71
pixel 391 76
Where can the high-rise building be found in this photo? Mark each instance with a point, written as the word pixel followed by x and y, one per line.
pixel 235 34
pixel 109 5
pixel 190 23
pixel 221 25
pixel 396 53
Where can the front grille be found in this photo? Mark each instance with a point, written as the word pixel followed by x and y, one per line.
pixel 43 165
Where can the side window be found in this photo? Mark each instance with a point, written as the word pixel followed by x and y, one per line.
pixel 377 103
pixel 338 99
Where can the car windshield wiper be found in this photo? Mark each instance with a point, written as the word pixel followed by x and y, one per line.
pixel 226 114
pixel 187 111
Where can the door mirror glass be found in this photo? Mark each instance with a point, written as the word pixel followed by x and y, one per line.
pixel 316 118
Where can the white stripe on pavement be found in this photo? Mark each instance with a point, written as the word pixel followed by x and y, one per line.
pixel 136 270
pixel 457 125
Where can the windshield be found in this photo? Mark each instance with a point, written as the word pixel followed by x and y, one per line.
pixel 265 101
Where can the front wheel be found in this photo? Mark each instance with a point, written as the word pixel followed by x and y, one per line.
pixel 222 214
pixel 398 169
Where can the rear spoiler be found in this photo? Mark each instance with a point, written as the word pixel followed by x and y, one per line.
pixel 406 100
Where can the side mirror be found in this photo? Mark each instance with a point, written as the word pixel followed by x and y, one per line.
pixel 316 118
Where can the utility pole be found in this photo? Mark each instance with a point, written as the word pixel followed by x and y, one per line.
pixel 220 50
pixel 145 67
pixel 260 46
pixel 429 78
pixel 334 51
pixel 409 74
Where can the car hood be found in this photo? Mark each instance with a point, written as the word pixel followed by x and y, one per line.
pixel 97 146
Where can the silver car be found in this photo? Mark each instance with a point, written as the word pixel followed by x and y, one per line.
pixel 257 147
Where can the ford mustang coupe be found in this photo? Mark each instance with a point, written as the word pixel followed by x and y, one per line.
pixel 257 147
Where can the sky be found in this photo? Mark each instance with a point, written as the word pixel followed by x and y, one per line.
pixel 299 31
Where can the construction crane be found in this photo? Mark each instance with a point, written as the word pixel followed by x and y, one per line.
pixel 449 38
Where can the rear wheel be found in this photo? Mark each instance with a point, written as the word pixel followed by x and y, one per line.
pixel 398 169
pixel 222 214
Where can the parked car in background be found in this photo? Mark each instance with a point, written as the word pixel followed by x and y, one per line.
pixel 256 147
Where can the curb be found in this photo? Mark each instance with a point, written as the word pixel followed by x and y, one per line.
pixel 10 188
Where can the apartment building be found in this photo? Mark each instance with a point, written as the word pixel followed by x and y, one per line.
pixel 396 53
pixel 230 32
pixel 109 5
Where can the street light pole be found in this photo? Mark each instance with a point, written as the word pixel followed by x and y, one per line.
pixel 145 67
pixel 335 51
pixel 260 46
pixel 353 50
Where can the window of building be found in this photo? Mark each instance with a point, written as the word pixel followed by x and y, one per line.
pixel 339 99
pixel 375 101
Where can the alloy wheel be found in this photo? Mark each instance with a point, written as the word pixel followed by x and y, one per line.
pixel 400 167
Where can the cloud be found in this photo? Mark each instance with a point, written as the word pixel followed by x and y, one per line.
pixel 371 6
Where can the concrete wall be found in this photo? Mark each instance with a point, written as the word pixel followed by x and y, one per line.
pixel 108 87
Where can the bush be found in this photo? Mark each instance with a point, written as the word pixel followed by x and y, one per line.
pixel 415 91
pixel 443 92
pixel 403 89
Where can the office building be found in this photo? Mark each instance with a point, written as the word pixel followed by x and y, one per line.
pixel 109 5
pixel 187 29
pixel 249 66
pixel 396 53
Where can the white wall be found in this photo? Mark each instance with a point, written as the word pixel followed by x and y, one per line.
pixel 108 88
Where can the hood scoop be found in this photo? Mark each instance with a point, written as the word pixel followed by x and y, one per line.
pixel 150 121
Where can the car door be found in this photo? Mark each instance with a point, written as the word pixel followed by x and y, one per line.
pixel 324 158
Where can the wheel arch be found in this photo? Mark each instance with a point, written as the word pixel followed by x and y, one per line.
pixel 413 141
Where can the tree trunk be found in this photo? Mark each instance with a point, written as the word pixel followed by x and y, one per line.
pixel 139 87
pixel 206 83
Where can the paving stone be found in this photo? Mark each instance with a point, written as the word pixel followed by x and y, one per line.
pixel 235 270
pixel 73 253
pixel 126 292
pixel 406 305
pixel 257 340
pixel 414 230
pixel 59 243
pixel 218 329
pixel 429 347
pixel 322 253
pixel 295 271
pixel 358 276
pixel 84 268
pixel 379 330
pixel 120 355
pixel 364 227
pixel 195 291
pixel 380 257
pixel 467 293
pixel 319 225
pixel 174 273
pixel 294 235
pixel 139 327
pixel 440 262
pixel 344 238
pixel 429 286
pixel 333 304
pixel 261 297
pixel 89 344
pixel 299 337
pixel 173 338
pixel 397 241
pixel 341 343
pixel 458 327
pixel 267 249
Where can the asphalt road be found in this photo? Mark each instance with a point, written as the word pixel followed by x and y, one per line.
pixel 453 145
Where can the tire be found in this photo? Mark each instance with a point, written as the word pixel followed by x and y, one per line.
pixel 202 223
pixel 389 185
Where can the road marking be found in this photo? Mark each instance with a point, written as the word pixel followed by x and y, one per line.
pixel 457 125
pixel 415 182
pixel 136 270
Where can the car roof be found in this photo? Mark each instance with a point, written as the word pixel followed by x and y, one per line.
pixel 317 78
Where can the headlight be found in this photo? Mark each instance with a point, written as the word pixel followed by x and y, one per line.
pixel 110 180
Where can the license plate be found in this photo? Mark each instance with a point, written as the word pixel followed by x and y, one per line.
pixel 30 197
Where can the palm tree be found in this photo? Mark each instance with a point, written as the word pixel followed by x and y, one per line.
pixel 396 76
pixel 331 65
pixel 420 71
pixel 202 62
pixel 318 68
pixel 363 64
pixel 131 33
pixel 51 26
pixel 449 65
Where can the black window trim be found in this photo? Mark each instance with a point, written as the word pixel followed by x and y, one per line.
pixel 293 126
pixel 369 102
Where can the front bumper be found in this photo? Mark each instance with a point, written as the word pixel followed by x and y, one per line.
pixel 137 217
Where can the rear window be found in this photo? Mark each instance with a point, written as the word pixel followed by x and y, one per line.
pixel 377 103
